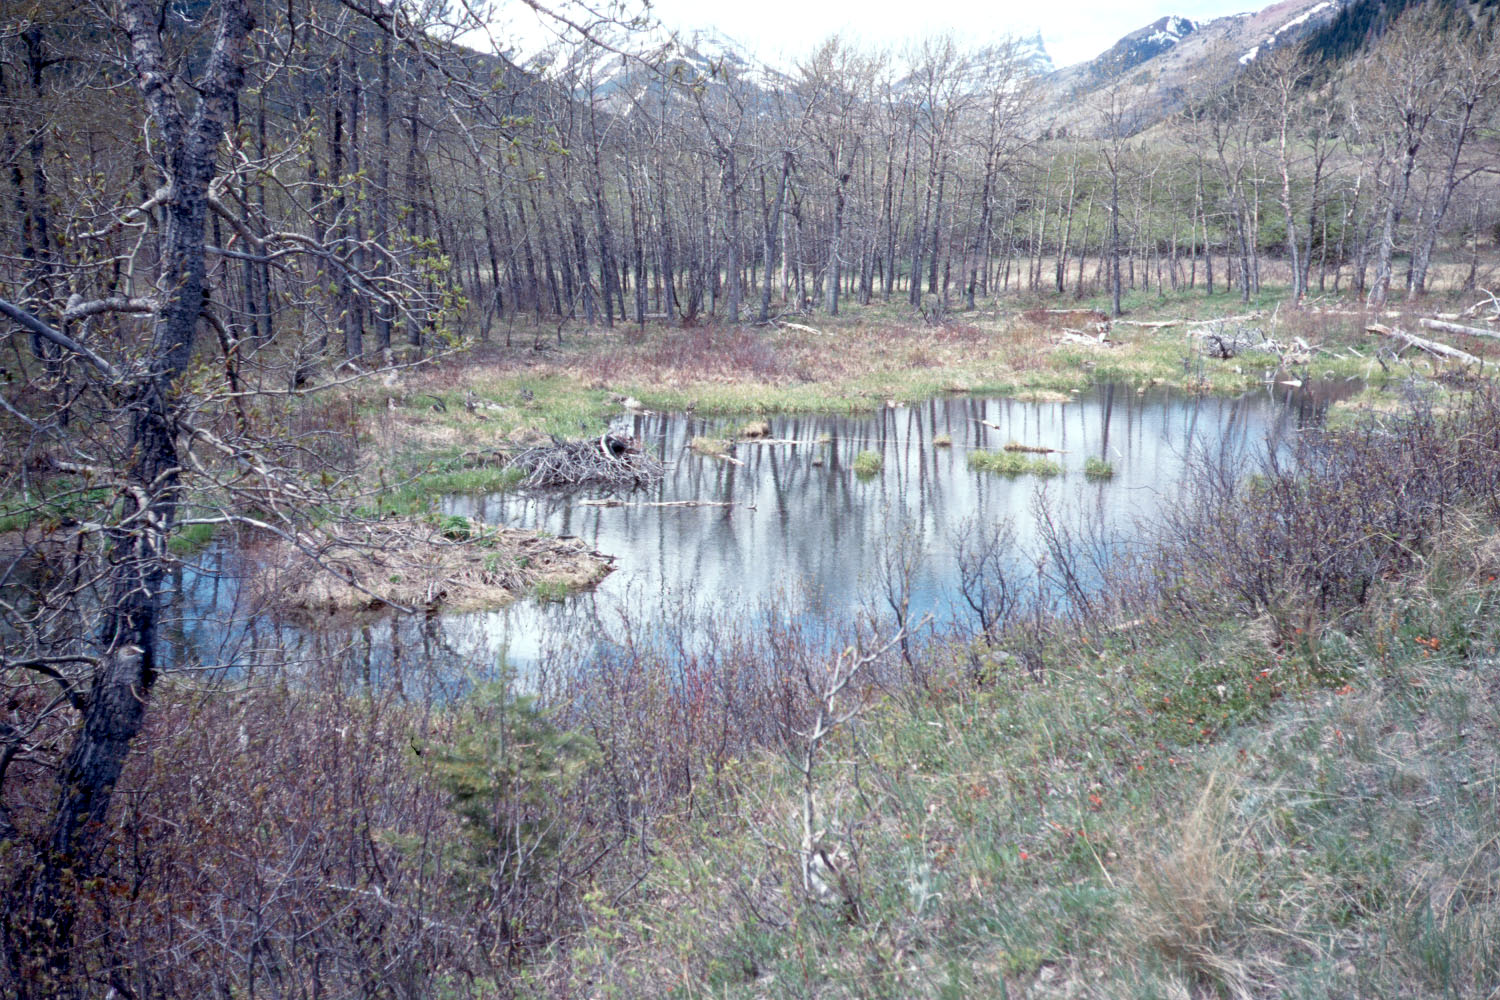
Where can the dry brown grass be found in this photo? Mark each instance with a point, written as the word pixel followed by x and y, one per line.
pixel 416 564
pixel 1190 891
pixel 778 357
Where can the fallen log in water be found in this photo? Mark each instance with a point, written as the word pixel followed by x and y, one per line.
pixel 614 502
pixel 1430 346
pixel 810 444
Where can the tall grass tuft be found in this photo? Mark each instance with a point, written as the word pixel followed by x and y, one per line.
pixel 867 464
pixel 1098 468
pixel 1013 463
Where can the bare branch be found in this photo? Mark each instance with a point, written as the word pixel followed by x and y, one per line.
pixel 67 343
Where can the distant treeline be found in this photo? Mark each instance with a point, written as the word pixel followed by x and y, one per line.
pixel 384 186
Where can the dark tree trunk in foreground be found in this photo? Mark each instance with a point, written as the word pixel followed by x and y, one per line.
pixel 114 707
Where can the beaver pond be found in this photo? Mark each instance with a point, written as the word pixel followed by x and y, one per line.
pixel 785 520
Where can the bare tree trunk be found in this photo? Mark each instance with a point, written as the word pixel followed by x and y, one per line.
pixel 1114 236
pixel 38 248
pixel 1422 254
pixel 1395 205
pixel 664 247
pixel 732 250
pixel 1062 250
pixel 773 227
pixel 835 247
pixel 354 322
pixel 383 200
pixel 115 704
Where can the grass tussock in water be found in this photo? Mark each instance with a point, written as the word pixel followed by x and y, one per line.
pixel 712 447
pixel 1097 468
pixel 1034 449
pixel 1013 463
pixel 867 464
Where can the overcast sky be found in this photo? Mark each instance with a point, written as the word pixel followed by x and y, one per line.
pixel 1073 30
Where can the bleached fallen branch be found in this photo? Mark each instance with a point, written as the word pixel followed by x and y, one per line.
pixel 614 502
pixel 1430 346
pixel 1079 337
pixel 1468 331
pixel 1491 300
pixel 800 327
pixel 78 309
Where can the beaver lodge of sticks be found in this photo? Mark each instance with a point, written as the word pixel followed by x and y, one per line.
pixel 613 460
pixel 415 563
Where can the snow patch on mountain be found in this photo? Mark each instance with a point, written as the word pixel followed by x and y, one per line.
pixel 1296 22
pixel 1172 31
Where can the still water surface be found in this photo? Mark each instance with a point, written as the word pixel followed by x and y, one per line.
pixel 792 517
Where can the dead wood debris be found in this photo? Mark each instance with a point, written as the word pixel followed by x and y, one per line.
pixel 614 460
pixel 1443 326
pixel 1432 347
pixel 1228 338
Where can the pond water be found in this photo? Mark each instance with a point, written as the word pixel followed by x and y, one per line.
pixel 791 517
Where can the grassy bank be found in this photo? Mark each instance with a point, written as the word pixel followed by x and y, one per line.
pixel 442 424
pixel 1058 840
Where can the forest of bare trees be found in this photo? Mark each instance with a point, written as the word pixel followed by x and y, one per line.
pixel 380 188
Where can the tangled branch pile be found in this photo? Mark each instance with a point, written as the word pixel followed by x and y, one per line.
pixel 613 461
pixel 1226 339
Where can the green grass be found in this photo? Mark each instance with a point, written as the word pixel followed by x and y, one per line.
pixel 189 538
pixel 867 464
pixel 1097 468
pixel 1180 813
pixel 66 499
pixel 551 590
pixel 1013 463
pixel 422 491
